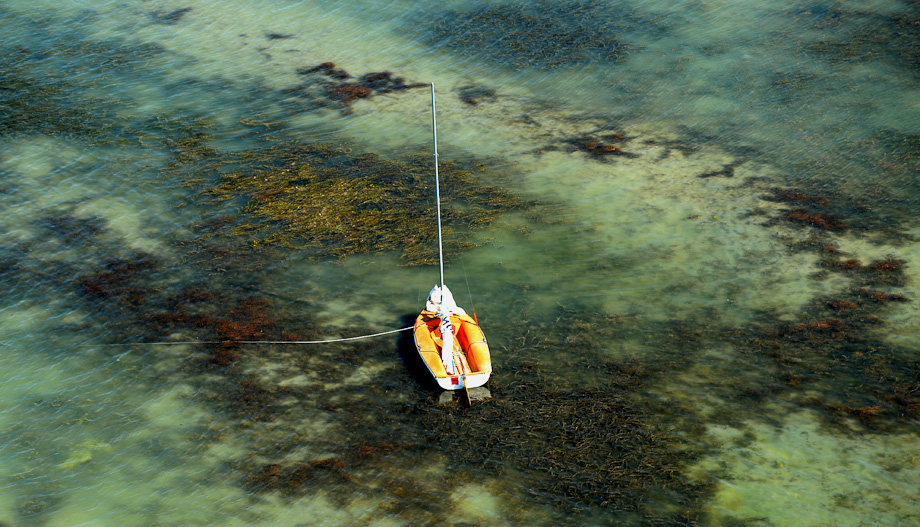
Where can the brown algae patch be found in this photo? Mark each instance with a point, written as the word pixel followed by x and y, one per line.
pixel 832 361
pixel 837 213
pixel 336 202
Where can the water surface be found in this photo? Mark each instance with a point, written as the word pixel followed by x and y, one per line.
pixel 687 229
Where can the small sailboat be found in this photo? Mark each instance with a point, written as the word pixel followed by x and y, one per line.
pixel 449 341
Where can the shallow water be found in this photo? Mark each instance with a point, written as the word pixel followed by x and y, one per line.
pixel 713 323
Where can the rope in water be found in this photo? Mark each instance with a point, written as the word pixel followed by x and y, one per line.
pixel 191 342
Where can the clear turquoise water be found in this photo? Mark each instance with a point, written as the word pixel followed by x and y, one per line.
pixel 657 337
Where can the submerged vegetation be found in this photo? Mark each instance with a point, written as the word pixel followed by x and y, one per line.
pixel 338 202
pixel 43 100
pixel 837 213
pixel 574 422
pixel 898 157
pixel 48 87
pixel 833 358
pixel 547 36
pixel 601 146
pixel 580 450
pixel 582 431
pixel 335 85
pixel 831 352
pixel 580 444
pixel 587 418
pixel 869 35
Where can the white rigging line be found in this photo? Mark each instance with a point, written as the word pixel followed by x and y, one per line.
pixel 437 184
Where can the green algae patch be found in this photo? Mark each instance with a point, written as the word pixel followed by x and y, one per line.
pixel 335 202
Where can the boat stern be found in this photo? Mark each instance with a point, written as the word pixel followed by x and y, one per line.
pixel 458 382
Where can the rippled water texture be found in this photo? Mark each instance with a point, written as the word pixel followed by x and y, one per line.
pixel 687 228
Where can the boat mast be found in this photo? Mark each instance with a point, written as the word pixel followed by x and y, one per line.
pixel 437 184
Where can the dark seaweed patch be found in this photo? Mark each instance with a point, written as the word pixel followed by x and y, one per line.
pixel 692 139
pixel 130 291
pixel 836 212
pixel 894 36
pixel 170 18
pixel 726 171
pixel 250 401
pixel 331 83
pixel 73 230
pixel 576 449
pixel 823 17
pixel 904 146
pixel 474 95
pixel 33 103
pixel 686 147
pixel 39 93
pixel 116 281
pixel 825 221
pixel 327 68
pixel 793 90
pixel 600 146
pixel 187 138
pixel 831 354
pixel 295 478
pixel 898 155
pixel 886 272
pixel 573 425
pixel 831 350
pixel 547 36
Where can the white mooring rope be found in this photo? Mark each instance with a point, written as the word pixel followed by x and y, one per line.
pixel 191 342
